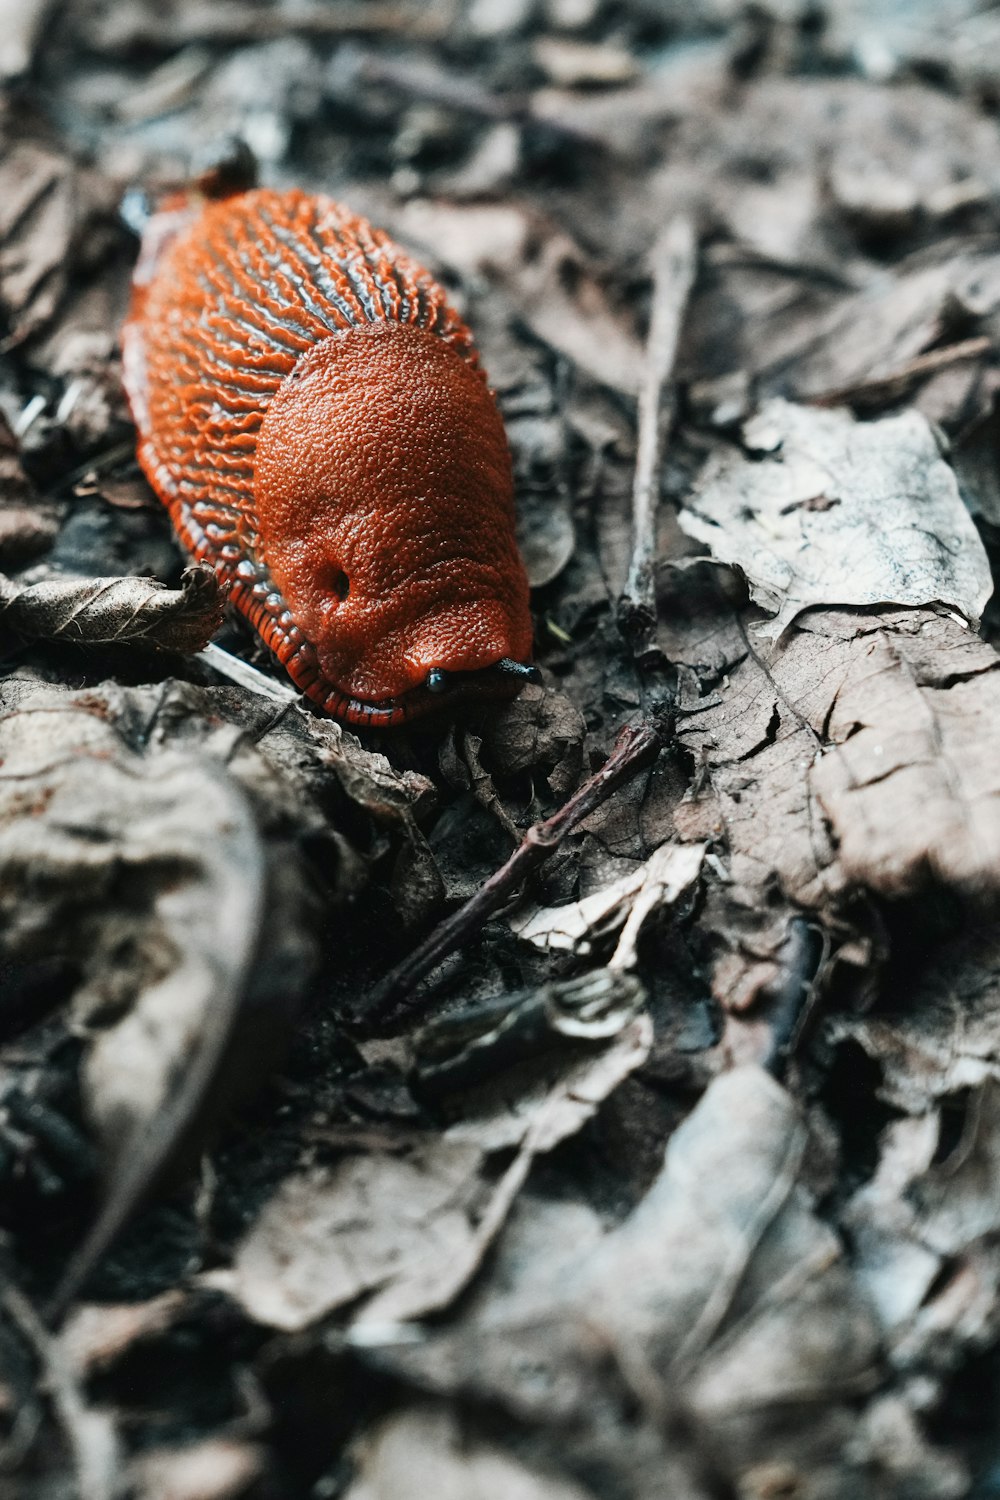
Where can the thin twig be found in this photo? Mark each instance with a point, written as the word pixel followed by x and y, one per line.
pixel 675 259
pixel 880 388
pixel 244 675
pixel 91 1434
pixel 636 747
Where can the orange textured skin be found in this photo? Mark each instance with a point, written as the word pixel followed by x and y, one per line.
pixel 314 416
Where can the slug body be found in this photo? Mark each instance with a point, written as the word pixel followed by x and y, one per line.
pixel 313 414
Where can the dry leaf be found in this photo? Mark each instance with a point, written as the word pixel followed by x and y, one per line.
pixel 425 1451
pixel 723 1297
pixel 829 511
pixel 555 1100
pixel 152 871
pixel 911 726
pixel 624 904
pixel 115 611
pixel 331 1237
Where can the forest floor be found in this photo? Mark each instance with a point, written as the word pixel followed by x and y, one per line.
pixel 675 1173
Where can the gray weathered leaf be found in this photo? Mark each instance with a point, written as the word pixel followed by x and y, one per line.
pixel 115 611
pixel 825 510
pixel 425 1451
pixel 623 905
pixel 331 1237
pixel 723 1297
pixel 152 872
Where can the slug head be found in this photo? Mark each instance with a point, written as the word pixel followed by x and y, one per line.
pixel 384 494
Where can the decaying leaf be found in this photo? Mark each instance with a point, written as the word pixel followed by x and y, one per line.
pixel 330 1238
pixel 799 756
pixel 152 873
pixel 723 1297
pixel 825 510
pixel 917 735
pixel 625 904
pixel 426 1452
pixel 402 1235
pixel 156 854
pixel 552 1102
pixel 469 1046
pixel 115 611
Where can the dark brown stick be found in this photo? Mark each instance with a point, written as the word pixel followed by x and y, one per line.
pixel 675 259
pixel 635 748
pixel 887 387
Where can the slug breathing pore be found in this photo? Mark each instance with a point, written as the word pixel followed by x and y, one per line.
pixel 314 416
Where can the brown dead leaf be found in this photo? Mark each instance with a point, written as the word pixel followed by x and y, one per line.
pixel 723 1297
pixel 401 1237
pixel 798 757
pixel 470 1046
pixel 622 906
pixel 160 828
pixel 910 726
pixel 928 299
pixel 825 510
pixel 151 871
pixel 138 612
pixel 538 1107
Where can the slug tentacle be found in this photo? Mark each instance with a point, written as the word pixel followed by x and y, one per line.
pixel 313 413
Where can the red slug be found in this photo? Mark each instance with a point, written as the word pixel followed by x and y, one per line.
pixel 313 414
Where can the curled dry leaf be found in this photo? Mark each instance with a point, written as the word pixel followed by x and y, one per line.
pixel 153 874
pixel 825 510
pixel 163 849
pixel 723 1299
pixel 466 1046
pixel 115 611
pixel 406 1234
pixel 54 227
pixel 917 734
pixel 625 904
pixel 869 336
pixel 803 770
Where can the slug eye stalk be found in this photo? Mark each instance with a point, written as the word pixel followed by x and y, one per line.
pixel 520 669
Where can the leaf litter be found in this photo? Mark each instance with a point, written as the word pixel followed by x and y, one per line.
pixel 672 1166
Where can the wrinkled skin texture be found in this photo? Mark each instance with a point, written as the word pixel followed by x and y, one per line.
pixel 313 414
pixel 382 465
